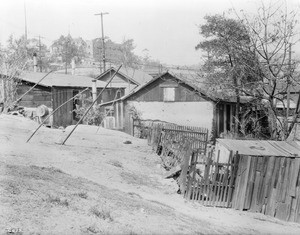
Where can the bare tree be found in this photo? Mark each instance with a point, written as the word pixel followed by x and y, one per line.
pixel 272 33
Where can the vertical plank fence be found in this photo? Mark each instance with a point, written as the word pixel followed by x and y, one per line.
pixel 210 182
pixel 269 185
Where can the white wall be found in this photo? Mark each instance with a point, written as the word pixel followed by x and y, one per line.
pixel 198 114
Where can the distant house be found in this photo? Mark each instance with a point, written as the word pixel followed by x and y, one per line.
pixel 55 89
pixel 175 98
pixel 126 77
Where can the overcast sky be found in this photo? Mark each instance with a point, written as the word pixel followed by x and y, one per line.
pixel 166 28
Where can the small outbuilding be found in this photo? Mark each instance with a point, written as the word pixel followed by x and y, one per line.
pixel 55 89
pixel 267 177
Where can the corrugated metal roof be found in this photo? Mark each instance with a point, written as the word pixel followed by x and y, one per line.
pixel 262 147
pixel 63 80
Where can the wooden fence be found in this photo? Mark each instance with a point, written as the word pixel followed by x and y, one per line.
pixel 202 178
pixel 263 184
pixel 207 181
pixel 196 136
pixel 269 185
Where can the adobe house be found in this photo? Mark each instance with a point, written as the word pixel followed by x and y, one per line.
pixel 175 98
pixel 55 89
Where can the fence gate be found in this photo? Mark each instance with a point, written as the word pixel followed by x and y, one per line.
pixel 209 181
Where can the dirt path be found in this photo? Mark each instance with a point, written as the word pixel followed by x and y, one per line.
pixel 98 184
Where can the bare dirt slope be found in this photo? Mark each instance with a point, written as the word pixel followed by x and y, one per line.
pixel 96 184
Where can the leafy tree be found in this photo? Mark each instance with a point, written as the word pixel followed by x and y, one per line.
pixel 116 52
pixel 252 55
pixel 66 48
pixel 36 47
pixel 230 60
pixel 13 61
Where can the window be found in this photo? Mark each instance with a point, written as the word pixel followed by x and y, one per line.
pixel 169 94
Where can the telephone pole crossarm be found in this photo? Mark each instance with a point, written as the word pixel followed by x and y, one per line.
pixel 103 43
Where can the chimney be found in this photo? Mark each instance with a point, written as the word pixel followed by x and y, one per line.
pixel 34 63
pixel 94 90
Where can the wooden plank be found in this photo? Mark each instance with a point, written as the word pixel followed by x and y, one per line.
pixel 260 195
pixel 293 209
pixel 268 177
pixel 294 176
pixel 183 175
pixel 212 188
pixel 224 188
pixel 297 210
pixel 218 184
pixel 271 197
pixel 205 180
pixel 270 207
pixel 250 183
pixel 253 206
pixel 191 181
pixel 240 183
pixel 233 179
pixel 285 180
pixel 282 211
pixel 245 181
pixel 280 179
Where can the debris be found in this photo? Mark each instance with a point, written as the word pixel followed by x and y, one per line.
pixel 173 172
pixel 127 142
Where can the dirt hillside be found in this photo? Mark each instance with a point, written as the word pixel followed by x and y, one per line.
pixel 97 184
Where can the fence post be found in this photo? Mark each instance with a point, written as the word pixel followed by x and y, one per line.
pixel 132 126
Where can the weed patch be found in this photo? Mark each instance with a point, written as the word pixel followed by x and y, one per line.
pixel 116 164
pixel 102 213
pixel 82 195
pixel 57 201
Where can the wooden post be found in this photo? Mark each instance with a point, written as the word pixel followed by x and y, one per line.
pixel 116 113
pixel 122 115
pixel 94 92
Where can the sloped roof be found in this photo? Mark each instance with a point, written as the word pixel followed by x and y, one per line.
pixel 262 147
pixel 195 81
pixel 63 80
pixel 134 75
pixel 184 78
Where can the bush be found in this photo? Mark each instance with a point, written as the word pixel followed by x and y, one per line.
pixel 94 116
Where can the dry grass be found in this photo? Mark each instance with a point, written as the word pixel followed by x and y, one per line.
pixel 83 195
pixel 57 200
pixel 116 163
pixel 102 213
pixel 78 205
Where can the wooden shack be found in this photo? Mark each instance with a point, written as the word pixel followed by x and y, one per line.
pixel 55 89
pixel 175 98
pixel 268 176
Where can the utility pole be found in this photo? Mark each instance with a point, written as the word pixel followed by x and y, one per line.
pixel 66 55
pixel 25 21
pixel 40 53
pixel 103 43
pixel 288 89
pixel 25 41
